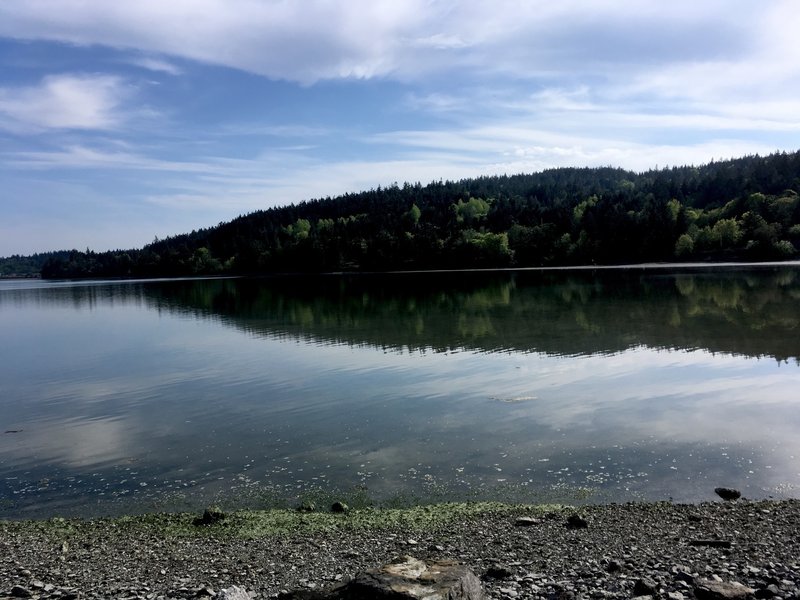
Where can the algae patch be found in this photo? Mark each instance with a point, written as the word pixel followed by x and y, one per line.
pixel 278 522
pixel 249 524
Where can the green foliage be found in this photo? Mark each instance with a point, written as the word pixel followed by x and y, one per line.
pixel 738 209
pixel 726 233
pixel 488 248
pixel 413 215
pixel 29 266
pixel 674 209
pixel 474 209
pixel 684 247
pixel 580 209
pixel 300 229
pixel 784 249
pixel 202 263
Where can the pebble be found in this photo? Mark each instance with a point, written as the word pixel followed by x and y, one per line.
pixel 510 592
pixel 527 521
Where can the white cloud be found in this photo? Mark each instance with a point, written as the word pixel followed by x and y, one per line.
pixel 64 102
pixel 297 41
pixel 321 39
pixel 155 64
pixel 717 63
pixel 437 102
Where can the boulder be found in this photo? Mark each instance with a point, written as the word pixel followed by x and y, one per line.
pixel 576 522
pixel 406 579
pixel 232 593
pixel 211 516
pixel 708 589
pixel 645 587
pixel 412 578
pixel 727 493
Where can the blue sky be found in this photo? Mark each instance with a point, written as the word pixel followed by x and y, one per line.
pixel 123 121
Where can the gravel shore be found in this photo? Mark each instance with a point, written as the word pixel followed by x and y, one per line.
pixel 615 551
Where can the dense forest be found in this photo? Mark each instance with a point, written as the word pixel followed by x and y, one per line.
pixel 740 209
pixel 29 266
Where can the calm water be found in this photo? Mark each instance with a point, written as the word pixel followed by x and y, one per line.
pixel 530 386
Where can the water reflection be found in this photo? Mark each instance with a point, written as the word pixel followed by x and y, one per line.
pixel 525 386
pixel 750 313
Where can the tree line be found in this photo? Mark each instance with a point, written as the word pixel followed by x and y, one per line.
pixel 740 209
pixel 29 266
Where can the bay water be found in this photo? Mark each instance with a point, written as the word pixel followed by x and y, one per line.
pixel 593 385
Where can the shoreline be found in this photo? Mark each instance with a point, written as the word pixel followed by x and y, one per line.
pixel 671 546
pixel 693 265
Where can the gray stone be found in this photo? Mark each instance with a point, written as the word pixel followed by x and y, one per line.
pixel 711 543
pixel 232 593
pixel 770 591
pixel 576 522
pixel 20 592
pixel 498 572
pixel 684 577
pixel 211 516
pixel 727 493
pixel 645 587
pixel 527 521
pixel 613 566
pixel 414 579
pixel 708 589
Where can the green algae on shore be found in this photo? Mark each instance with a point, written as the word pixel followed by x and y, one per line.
pixel 248 524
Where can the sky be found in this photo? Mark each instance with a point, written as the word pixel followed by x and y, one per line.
pixel 121 122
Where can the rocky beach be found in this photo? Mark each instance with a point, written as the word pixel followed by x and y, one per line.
pixel 726 549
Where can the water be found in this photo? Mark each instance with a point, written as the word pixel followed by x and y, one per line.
pixel 574 386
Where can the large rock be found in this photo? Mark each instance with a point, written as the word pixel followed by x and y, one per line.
pixel 708 589
pixel 232 593
pixel 407 579
pixel 413 578
pixel 728 493
pixel 645 587
pixel 211 516
pixel 576 522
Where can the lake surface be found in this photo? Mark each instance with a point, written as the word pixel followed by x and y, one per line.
pixel 576 386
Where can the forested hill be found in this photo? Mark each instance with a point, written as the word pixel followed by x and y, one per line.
pixel 745 209
pixel 29 266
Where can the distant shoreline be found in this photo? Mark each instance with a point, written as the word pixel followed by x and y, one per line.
pixel 694 266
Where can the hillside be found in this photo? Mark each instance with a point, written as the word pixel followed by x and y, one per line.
pixel 29 266
pixel 744 209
